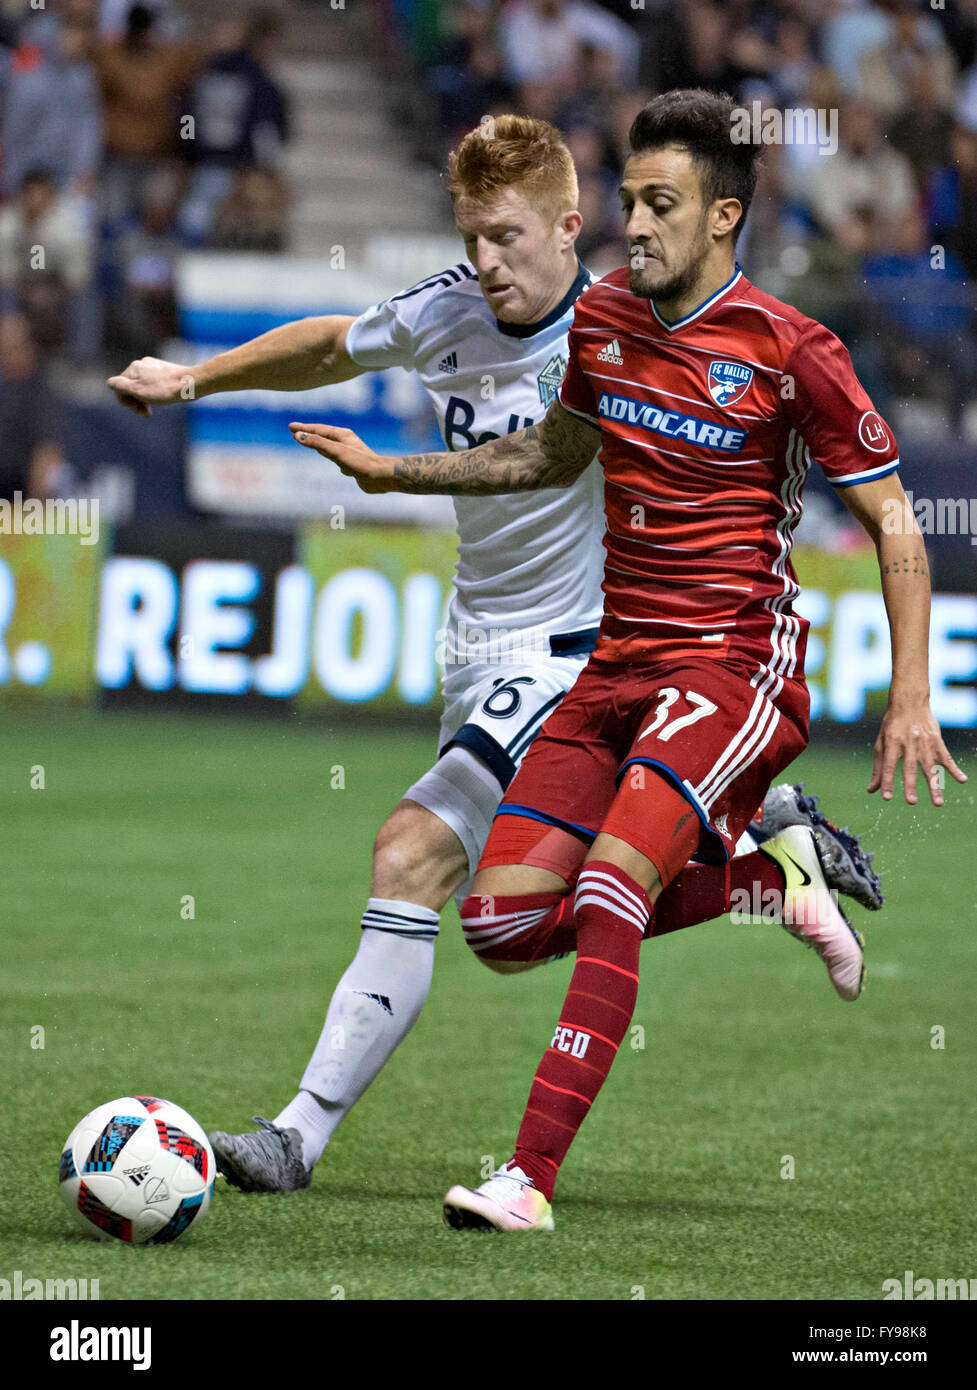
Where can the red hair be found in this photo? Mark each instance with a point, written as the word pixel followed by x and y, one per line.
pixel 515 152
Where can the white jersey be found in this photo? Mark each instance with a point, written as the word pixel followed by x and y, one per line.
pixel 530 564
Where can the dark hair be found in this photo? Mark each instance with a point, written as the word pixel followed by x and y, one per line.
pixel 702 122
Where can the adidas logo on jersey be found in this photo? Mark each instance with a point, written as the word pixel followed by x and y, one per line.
pixel 611 353
pixel 449 364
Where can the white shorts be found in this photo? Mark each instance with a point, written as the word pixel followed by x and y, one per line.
pixel 494 711
pixel 498 711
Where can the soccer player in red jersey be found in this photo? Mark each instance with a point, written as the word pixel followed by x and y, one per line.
pixel 709 401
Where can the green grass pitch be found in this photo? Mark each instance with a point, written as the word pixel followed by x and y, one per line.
pixel 674 1188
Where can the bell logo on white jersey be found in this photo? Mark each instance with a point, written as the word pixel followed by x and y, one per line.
pixel 611 353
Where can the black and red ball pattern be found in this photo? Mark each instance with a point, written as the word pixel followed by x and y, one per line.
pixel 100 1215
pixel 183 1144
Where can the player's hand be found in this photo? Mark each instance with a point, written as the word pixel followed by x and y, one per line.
pixel 373 472
pixel 914 736
pixel 150 381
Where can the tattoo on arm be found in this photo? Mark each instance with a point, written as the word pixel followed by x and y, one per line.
pixel 906 564
pixel 551 454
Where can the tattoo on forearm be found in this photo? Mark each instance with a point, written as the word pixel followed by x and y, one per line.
pixel 551 454
pixel 906 564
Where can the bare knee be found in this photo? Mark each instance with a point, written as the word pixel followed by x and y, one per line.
pixel 512 880
pixel 417 858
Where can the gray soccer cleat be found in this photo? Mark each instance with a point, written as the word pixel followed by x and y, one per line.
pixel 262 1162
pixel 847 868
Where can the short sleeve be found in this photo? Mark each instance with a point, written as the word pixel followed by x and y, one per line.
pixel 576 393
pixel 381 338
pixel 833 413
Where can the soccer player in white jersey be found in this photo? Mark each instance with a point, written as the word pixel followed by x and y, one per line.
pixel 488 339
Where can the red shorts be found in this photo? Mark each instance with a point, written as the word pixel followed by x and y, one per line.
pixel 720 732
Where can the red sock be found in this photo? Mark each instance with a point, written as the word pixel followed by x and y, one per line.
pixel 527 926
pixel 611 912
pixel 703 892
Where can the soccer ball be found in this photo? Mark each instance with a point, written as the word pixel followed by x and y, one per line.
pixel 139 1169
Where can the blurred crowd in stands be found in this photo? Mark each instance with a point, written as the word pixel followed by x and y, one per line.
pixel 126 139
pixel 878 239
pixel 131 133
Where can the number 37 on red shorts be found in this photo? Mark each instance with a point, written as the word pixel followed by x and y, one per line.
pixel 719 731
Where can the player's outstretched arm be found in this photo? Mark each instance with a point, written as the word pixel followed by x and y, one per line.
pixel 551 454
pixel 909 731
pixel 296 357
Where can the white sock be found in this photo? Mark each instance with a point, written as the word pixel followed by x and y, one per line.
pixel 373 1008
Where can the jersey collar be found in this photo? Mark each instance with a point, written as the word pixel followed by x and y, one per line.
pixel 529 330
pixel 707 304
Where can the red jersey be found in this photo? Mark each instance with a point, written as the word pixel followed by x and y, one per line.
pixel 709 426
